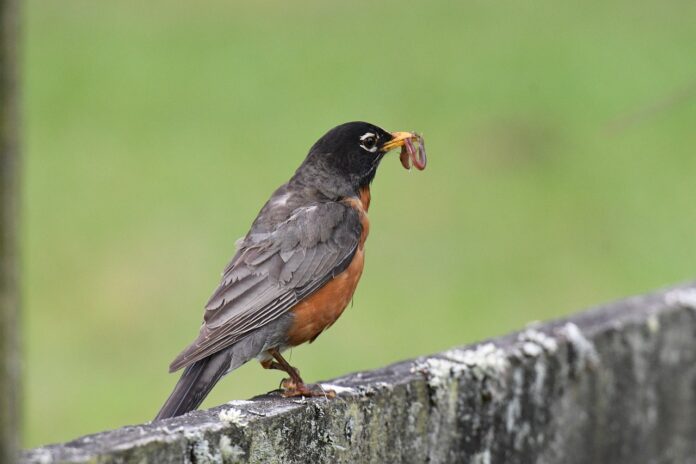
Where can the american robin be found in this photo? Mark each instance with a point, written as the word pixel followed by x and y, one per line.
pixel 296 269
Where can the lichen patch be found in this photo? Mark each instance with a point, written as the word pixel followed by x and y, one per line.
pixel 534 343
pixel 484 360
pixel 337 388
pixel 584 350
pixel 230 453
pixel 682 297
pixel 232 416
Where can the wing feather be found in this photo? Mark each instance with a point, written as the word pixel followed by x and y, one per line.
pixel 272 271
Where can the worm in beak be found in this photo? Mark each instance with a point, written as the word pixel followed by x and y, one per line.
pixel 413 153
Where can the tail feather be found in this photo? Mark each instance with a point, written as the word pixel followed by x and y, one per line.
pixel 194 385
pixel 201 376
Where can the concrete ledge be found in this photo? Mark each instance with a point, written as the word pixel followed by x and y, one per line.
pixel 616 384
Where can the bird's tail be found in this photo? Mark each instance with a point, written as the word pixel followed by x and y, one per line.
pixel 195 384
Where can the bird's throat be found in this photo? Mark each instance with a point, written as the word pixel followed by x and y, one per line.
pixel 365 197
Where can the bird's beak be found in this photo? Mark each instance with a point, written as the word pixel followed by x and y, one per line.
pixel 398 140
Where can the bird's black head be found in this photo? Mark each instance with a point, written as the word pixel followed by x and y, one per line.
pixel 346 158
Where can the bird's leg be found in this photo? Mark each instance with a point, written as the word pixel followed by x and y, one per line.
pixel 294 386
pixel 282 365
pixel 268 364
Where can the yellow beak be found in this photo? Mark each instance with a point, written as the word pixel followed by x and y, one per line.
pixel 398 140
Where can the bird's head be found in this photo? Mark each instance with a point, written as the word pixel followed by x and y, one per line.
pixel 346 158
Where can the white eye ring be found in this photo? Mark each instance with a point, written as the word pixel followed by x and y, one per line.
pixel 369 142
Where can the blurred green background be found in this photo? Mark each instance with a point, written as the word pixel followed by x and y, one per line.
pixel 562 143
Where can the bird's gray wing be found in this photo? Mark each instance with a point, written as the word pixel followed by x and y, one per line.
pixel 272 271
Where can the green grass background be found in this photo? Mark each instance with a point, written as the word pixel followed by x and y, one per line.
pixel 562 143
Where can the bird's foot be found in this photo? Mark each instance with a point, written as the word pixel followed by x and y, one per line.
pixel 291 389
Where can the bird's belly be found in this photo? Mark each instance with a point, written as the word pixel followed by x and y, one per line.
pixel 319 311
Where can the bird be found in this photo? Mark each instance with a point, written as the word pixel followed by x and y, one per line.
pixel 296 269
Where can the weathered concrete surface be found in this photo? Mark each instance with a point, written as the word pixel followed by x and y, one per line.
pixel 616 384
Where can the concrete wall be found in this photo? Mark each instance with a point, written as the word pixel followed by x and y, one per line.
pixel 616 384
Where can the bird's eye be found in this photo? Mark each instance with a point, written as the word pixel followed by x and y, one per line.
pixel 369 142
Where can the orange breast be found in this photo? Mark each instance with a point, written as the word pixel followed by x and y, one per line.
pixel 318 312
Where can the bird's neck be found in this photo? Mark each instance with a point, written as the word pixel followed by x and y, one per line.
pixel 326 183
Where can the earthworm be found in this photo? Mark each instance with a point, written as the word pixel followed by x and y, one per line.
pixel 411 154
pixel 421 160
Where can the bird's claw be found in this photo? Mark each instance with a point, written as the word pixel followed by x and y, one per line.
pixel 292 389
